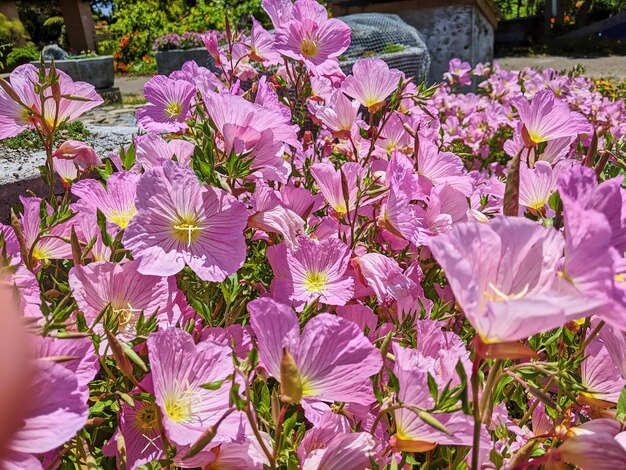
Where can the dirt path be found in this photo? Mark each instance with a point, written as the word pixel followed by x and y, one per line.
pixel 606 67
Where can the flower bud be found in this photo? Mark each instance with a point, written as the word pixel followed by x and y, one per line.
pixel 290 379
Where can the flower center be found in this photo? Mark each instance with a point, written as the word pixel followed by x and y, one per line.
pixel 187 230
pixel 125 316
pixel 123 218
pixel 39 253
pixel 147 418
pixel 308 47
pixel 173 109
pixel 315 282
pixel 179 404
pixel 498 296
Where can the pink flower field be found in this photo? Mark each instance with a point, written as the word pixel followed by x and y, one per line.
pixel 295 268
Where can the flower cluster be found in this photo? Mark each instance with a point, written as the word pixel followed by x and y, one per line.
pixel 291 267
pixel 187 40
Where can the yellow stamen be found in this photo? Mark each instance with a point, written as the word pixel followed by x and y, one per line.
pixel 173 109
pixel 308 47
pixel 315 282
pixel 123 218
pixel 187 230
pixel 498 296
pixel 125 316
pixel 180 403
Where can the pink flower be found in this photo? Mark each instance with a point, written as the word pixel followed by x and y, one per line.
pixel 547 118
pixel 502 275
pixel 591 267
pixel 311 37
pixel 435 168
pixel 168 105
pixel 600 376
pixel 579 186
pixel 66 169
pixel 180 222
pixel 334 360
pixel 116 201
pixel 126 291
pixel 152 150
pixel 539 183
pixel 79 357
pixel 140 427
pixel 272 217
pixel 339 114
pixel 329 181
pixel 249 127
pixel 412 433
pixel 49 243
pixel 262 45
pixel 57 411
pixel 459 72
pixel 279 11
pixel 80 153
pixel 317 271
pixel 75 99
pixel 371 83
pixel 179 369
pixel 348 451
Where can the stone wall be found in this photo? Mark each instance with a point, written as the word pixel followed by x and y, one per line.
pixel 453 31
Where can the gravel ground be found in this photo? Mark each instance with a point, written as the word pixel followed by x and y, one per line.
pixel 596 67
pixel 22 164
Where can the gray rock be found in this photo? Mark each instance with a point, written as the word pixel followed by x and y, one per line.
pixel 54 52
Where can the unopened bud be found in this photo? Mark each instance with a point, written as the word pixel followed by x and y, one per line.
pixel 290 379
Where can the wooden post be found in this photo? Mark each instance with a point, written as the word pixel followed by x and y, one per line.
pixel 79 23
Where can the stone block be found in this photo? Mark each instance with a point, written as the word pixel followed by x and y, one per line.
pixel 95 70
pixel 170 61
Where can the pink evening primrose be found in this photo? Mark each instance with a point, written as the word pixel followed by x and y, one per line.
pixel 58 410
pixel 502 275
pixel 80 153
pixel 249 127
pixel 116 201
pixel 310 36
pixel 334 360
pixel 152 150
pixel 546 118
pixel 16 117
pixel 371 83
pixel 317 271
pixel 179 369
pixel 48 244
pixel 181 222
pixel 168 107
pixel 127 292
pixel 329 181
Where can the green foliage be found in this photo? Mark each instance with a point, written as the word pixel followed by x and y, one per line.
pixel 34 15
pixel 22 55
pixel 28 139
pixel 138 23
pixel 12 31
pixel 212 14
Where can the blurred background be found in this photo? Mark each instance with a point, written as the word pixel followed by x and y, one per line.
pixel 128 29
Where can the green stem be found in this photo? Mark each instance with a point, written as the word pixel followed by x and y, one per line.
pixel 476 409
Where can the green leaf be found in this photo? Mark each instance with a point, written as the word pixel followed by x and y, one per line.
pixel 621 406
pixel 214 385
